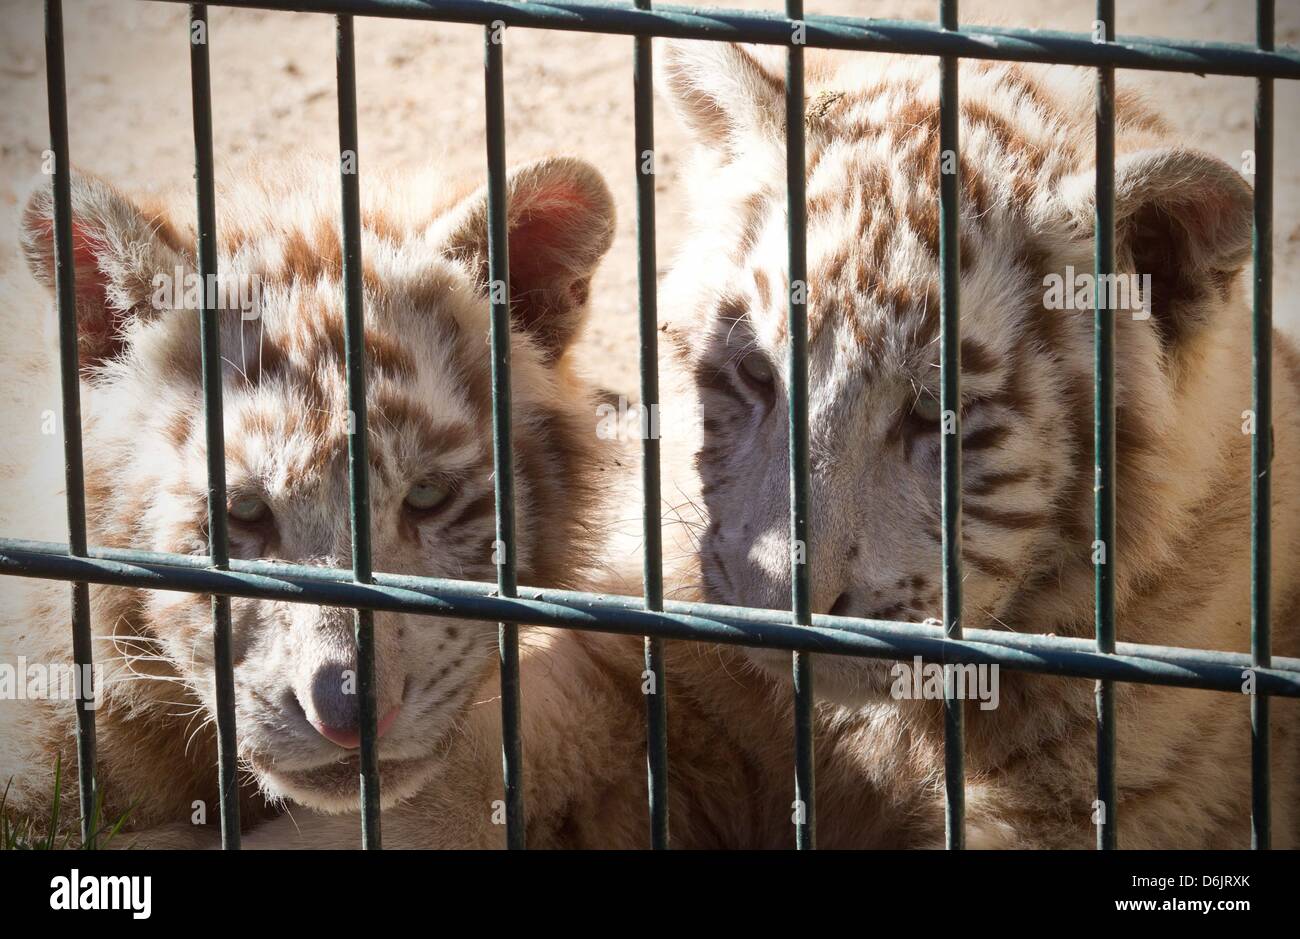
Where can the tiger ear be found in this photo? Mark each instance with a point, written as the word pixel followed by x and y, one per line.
pixel 723 95
pixel 1184 218
pixel 116 255
pixel 560 219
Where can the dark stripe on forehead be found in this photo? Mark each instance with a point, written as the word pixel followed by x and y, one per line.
pixel 992 482
pixel 180 426
pixel 1004 517
pixel 309 256
pixel 394 410
pixel 976 359
pixel 1013 395
pixel 985 437
pixel 763 287
pixel 753 213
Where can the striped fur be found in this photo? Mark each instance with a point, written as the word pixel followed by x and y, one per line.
pixel 286 431
pixel 1183 478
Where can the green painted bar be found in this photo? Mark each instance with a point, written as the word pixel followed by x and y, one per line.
pixel 1261 451
pixel 70 378
pixel 214 424
pixel 799 630
pixel 826 32
pixel 1104 438
pixel 502 455
pixel 954 739
pixel 648 308
pixel 354 350
pixel 703 622
pixel 800 548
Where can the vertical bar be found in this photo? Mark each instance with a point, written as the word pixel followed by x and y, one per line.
pixel 1261 451
pixel 502 455
pixel 800 550
pixel 354 350
pixel 1104 433
pixel 647 300
pixel 214 425
pixel 954 724
pixel 70 376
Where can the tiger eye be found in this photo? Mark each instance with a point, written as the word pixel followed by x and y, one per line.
pixel 247 509
pixel 757 368
pixel 425 497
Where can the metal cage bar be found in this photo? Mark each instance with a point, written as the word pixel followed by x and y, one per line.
pixel 704 622
pixel 950 426
pixel 800 630
pixel 648 309
pixel 70 386
pixel 826 32
pixel 214 423
pixel 354 353
pixel 1104 554
pixel 1261 450
pixel 502 455
pixel 797 325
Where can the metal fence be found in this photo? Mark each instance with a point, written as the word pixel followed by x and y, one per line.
pixel 801 632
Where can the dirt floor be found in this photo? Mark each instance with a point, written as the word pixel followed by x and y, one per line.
pixel 421 95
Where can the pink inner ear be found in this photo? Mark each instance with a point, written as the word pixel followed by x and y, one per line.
pixel 87 248
pixel 96 324
pixel 547 231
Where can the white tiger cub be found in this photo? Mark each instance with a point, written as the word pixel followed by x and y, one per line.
pixel 424 250
pixel 1182 557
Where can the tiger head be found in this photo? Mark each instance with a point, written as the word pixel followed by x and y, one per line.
pixel 1026 176
pixel 279 297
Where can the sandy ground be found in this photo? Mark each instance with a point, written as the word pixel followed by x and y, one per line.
pixel 421 94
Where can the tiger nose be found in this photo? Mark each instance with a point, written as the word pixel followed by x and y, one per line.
pixel 335 710
pixel 349 738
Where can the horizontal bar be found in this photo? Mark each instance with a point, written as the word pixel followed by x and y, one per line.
pixel 700 622
pixel 827 32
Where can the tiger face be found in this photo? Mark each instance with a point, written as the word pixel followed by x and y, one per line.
pixel 286 432
pixel 1026 174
